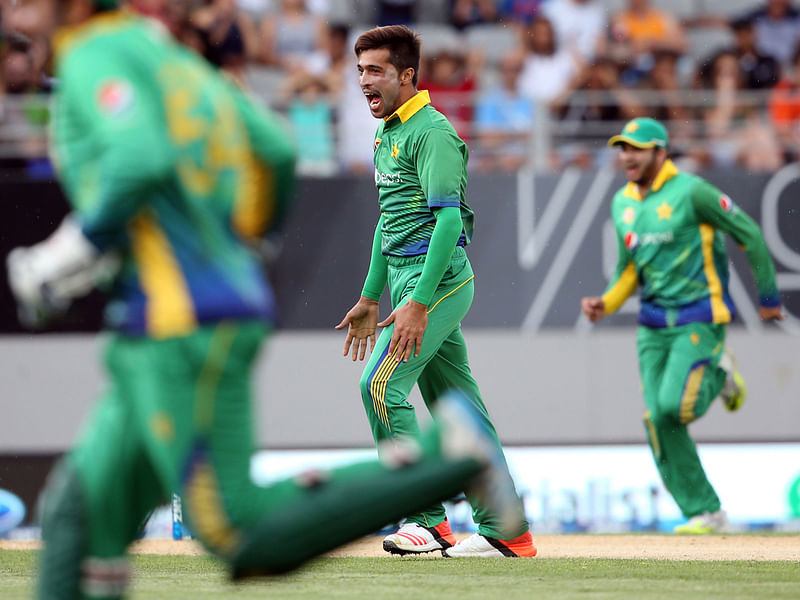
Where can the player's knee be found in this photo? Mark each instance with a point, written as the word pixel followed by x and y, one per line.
pixel 661 418
pixel 365 386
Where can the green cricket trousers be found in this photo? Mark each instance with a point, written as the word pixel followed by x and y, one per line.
pixel 442 364
pixel 177 417
pixel 680 378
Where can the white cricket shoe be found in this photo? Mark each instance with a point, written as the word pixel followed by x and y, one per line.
pixel 481 546
pixel 413 538
pixel 716 522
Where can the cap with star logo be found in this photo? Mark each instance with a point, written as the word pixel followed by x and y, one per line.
pixel 643 132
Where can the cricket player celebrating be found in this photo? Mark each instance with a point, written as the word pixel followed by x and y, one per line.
pixel 670 229
pixel 418 248
pixel 171 172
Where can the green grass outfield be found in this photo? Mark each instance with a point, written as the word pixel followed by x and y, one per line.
pixel 172 577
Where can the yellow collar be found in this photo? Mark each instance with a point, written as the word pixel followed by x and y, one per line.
pixel 668 171
pixel 64 37
pixel 411 106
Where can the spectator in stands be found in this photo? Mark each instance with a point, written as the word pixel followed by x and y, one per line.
pixel 777 29
pixel 578 23
pixel 736 135
pixel 503 120
pixel 760 70
pixel 311 117
pixel 464 13
pixel 23 64
pixel 640 30
pixel 549 68
pixel 784 108
pixel 599 96
pixel 521 12
pixel 33 18
pixel 19 75
pixel 595 106
pixel 227 38
pixel 355 126
pixel 396 12
pixel 338 51
pixel 293 38
pixel 666 102
pixel 450 75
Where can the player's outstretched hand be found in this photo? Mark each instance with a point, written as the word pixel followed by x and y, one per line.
pixel 771 313
pixel 594 308
pixel 361 322
pixel 410 321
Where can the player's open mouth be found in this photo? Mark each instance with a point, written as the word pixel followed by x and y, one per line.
pixel 373 99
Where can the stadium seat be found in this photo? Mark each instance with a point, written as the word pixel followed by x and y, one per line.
pixel 437 36
pixel 493 39
pixel 682 9
pixel 353 12
pixel 264 81
pixel 704 41
pixel 433 11
pixel 730 8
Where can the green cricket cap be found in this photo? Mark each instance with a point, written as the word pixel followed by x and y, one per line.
pixel 106 4
pixel 642 133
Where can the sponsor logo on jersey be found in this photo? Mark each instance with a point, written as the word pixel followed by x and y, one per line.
pixel 377 143
pixel 633 240
pixel 726 203
pixel 387 178
pixel 115 97
pixel 628 215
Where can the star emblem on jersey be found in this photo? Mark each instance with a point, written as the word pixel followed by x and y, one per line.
pixel 664 211
pixel 628 215
pixel 395 151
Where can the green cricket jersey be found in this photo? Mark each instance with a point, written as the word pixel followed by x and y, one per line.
pixel 671 243
pixel 420 165
pixel 166 161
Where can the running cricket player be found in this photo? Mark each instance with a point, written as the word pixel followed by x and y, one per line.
pixel 418 249
pixel 670 228
pixel 171 172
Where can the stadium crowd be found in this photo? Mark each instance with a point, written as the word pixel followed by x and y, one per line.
pixel 520 79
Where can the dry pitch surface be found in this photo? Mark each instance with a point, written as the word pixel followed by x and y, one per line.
pixel 667 547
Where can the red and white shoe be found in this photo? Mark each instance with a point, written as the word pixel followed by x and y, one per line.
pixel 481 546
pixel 413 538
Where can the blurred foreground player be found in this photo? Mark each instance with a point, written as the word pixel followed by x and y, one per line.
pixel 418 248
pixel 171 172
pixel 670 228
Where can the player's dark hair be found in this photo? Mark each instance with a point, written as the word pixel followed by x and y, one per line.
pixel 403 45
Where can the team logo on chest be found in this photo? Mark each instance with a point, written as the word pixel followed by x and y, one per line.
pixel 628 215
pixel 395 151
